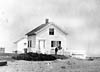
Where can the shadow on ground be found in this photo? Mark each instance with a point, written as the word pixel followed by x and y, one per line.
pixel 38 57
pixel 60 56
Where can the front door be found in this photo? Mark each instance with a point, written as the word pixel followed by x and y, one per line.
pixel 42 46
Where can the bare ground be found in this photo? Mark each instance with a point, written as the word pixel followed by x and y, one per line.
pixel 66 65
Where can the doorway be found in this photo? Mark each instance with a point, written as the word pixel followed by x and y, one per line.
pixel 42 46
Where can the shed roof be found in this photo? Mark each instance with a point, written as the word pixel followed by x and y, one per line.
pixel 19 40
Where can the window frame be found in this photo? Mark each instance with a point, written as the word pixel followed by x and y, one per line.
pixel 55 43
pixel 51 31
pixel 52 43
pixel 58 43
pixel 29 43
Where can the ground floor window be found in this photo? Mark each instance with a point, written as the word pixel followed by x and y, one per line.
pixel 30 43
pixel 55 43
pixel 58 43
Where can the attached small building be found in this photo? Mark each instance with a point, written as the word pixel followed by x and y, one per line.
pixel 46 37
pixel 21 45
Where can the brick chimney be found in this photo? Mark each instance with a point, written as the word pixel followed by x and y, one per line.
pixel 46 21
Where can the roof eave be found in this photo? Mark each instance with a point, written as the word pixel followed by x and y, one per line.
pixel 30 34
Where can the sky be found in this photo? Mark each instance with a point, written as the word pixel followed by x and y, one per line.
pixel 79 18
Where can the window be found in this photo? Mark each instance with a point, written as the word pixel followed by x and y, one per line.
pixel 58 43
pixel 55 43
pixel 52 43
pixel 51 31
pixel 29 43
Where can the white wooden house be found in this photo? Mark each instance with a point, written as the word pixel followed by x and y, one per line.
pixel 46 37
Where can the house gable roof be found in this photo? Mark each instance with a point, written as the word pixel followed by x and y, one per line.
pixel 60 29
pixel 34 31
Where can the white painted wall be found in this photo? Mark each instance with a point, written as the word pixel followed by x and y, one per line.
pixel 44 35
pixel 21 45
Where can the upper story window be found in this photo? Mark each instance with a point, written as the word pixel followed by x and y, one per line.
pixel 51 31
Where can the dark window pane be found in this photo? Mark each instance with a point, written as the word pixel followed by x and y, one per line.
pixel 51 31
pixel 58 43
pixel 52 43
pixel 28 44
